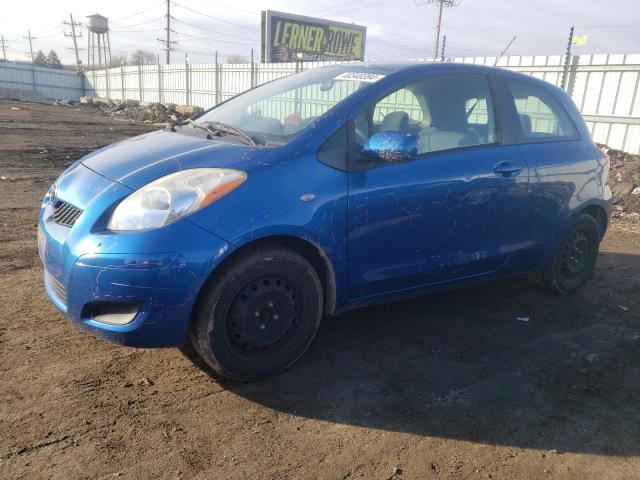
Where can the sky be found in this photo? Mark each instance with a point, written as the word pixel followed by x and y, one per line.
pixel 396 29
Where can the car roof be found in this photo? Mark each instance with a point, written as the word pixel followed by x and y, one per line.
pixel 393 67
pixel 390 68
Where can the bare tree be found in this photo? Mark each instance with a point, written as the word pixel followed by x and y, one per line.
pixel 142 57
pixel 118 60
pixel 237 58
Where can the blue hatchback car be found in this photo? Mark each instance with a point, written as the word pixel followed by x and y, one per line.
pixel 320 192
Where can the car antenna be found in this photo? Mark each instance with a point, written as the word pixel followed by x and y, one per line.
pixel 505 50
pixel 473 107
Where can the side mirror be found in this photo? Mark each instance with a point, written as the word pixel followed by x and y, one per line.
pixel 391 147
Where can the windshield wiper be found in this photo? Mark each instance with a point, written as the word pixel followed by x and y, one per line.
pixel 216 128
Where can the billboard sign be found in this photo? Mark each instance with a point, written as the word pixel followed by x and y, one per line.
pixel 294 38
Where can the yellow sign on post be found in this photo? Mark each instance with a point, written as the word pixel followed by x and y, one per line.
pixel 582 40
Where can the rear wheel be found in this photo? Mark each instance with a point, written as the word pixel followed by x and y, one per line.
pixel 575 259
pixel 258 315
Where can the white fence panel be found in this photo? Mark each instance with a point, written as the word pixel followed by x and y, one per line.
pixel 203 85
pixel 603 86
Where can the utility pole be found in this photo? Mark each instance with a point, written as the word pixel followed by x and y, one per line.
pixel 438 23
pixel 168 32
pixel 73 35
pixel 33 67
pixel 441 5
pixel 30 38
pixel 444 44
pixel 3 42
pixel 167 42
pixel 567 61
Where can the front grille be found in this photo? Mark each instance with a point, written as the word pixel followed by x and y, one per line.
pixel 58 287
pixel 65 214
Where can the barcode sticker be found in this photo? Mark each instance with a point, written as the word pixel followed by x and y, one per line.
pixel 360 76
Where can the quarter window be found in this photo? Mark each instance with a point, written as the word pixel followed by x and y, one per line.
pixel 541 116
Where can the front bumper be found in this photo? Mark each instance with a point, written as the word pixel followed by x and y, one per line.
pixel 158 272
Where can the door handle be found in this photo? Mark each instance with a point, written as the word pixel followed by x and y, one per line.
pixel 507 169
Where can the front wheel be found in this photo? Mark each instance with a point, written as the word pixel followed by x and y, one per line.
pixel 259 314
pixel 575 259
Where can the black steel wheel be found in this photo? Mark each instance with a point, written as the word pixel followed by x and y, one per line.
pixel 575 254
pixel 575 258
pixel 259 314
pixel 263 315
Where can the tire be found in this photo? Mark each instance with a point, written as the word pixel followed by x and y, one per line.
pixel 574 260
pixel 259 314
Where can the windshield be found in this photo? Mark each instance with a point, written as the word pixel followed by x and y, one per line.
pixel 275 112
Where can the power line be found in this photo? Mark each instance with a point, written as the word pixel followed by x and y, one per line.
pixel 138 31
pixel 351 4
pixel 45 33
pixel 227 6
pixel 155 19
pixel 216 40
pixel 216 32
pixel 249 27
pixel 137 13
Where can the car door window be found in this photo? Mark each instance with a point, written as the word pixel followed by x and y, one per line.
pixel 400 111
pixel 541 116
pixel 460 113
pixel 444 112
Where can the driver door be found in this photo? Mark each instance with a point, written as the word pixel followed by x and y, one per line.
pixel 450 213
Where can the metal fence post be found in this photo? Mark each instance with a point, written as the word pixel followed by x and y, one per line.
pixel 187 86
pixel 252 77
pixel 159 83
pixel 122 81
pixel 106 80
pixel 255 74
pixel 571 80
pixel 82 80
pixel 140 86
pixel 217 77
pixel 567 60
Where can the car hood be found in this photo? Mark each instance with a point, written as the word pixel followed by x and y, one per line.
pixel 139 160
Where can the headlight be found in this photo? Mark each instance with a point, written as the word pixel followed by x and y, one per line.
pixel 170 198
pixel 50 196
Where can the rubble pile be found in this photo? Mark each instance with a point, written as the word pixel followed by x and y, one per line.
pixel 624 179
pixel 133 110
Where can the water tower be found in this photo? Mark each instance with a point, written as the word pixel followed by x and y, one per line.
pixel 98 44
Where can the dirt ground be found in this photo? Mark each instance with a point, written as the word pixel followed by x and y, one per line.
pixel 445 386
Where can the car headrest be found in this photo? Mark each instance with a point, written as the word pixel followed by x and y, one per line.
pixel 525 122
pixel 395 122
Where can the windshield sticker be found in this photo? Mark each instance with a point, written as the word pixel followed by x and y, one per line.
pixel 360 76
